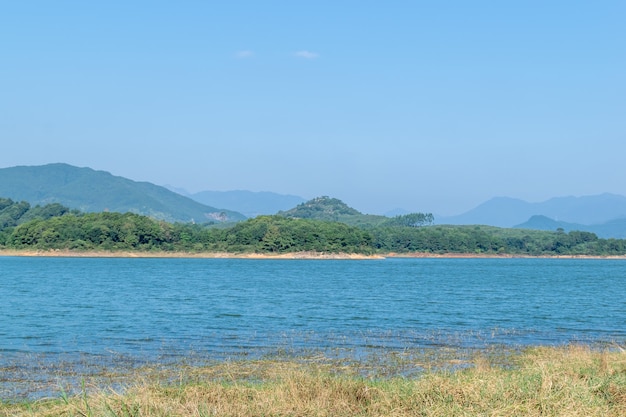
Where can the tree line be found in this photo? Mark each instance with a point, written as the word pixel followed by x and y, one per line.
pixel 54 227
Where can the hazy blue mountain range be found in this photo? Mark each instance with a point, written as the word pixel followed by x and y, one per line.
pixel 510 212
pixel 539 222
pixel 612 229
pixel 249 203
pixel 396 212
pixel 94 191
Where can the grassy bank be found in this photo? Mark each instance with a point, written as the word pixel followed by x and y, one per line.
pixel 569 381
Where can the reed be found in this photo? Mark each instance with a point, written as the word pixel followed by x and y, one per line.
pixel 540 381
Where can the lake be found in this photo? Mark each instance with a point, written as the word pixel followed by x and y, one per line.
pixel 144 310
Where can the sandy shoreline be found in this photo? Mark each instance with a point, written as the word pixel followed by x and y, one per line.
pixel 202 255
pixel 496 256
pixel 295 255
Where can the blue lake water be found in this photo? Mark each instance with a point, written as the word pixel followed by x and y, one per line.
pixel 148 309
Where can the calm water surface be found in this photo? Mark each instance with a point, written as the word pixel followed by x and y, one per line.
pixel 153 308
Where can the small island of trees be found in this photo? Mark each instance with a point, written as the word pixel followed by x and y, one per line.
pixel 55 227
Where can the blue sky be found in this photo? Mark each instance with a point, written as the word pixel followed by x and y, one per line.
pixel 423 105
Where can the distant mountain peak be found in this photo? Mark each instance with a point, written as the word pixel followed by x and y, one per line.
pixel 250 203
pixel 509 212
pixel 396 212
pixel 89 190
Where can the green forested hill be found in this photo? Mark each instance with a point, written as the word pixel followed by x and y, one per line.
pixel 95 191
pixel 321 208
pixel 55 227
pixel 334 210
pixel 278 234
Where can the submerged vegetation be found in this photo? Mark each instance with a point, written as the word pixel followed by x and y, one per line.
pixel 572 381
pixel 54 227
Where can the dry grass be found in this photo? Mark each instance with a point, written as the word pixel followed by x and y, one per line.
pixel 572 381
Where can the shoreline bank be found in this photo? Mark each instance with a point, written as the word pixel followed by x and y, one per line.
pixel 183 255
pixel 588 383
pixel 293 255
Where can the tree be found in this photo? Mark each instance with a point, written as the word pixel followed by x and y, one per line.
pixel 411 220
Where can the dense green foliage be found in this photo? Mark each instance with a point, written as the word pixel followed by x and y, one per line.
pixel 107 231
pixel 13 213
pixel 276 234
pixel 411 220
pixel 116 231
pixel 493 240
pixel 54 227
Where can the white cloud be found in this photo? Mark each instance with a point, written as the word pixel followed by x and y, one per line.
pixel 306 54
pixel 244 54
